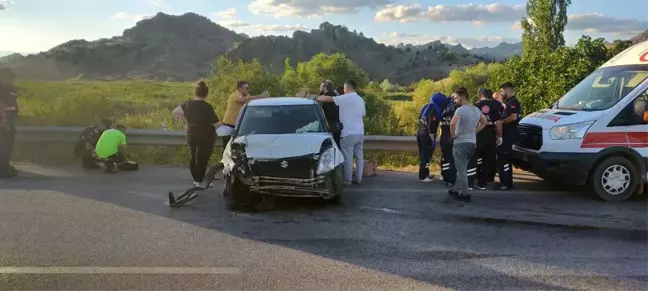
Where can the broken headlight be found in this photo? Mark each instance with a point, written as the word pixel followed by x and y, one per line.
pixel 326 161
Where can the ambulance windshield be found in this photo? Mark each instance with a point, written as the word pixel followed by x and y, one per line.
pixel 603 88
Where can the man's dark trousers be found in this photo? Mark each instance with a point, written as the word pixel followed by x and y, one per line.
pixel 7 138
pixel 486 156
pixel 504 155
pixel 426 149
pixel 448 170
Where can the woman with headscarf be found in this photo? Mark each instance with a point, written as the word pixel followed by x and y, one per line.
pixel 448 170
pixel 331 110
pixel 426 134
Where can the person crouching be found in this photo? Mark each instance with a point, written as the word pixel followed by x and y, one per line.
pixel 87 142
pixel 426 135
pixel 111 147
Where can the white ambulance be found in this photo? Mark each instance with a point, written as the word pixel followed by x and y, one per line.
pixel 597 134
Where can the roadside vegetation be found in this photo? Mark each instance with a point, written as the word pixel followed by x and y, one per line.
pixel 546 70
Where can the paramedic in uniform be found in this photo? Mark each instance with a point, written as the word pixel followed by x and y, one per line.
pixel 510 120
pixel 448 170
pixel 488 139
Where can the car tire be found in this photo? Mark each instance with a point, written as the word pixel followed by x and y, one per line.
pixel 620 169
pixel 238 194
pixel 335 185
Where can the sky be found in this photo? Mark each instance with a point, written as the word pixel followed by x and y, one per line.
pixel 30 26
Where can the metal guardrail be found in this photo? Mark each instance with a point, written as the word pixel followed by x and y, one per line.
pixel 172 138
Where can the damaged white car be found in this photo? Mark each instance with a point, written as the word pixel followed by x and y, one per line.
pixel 282 147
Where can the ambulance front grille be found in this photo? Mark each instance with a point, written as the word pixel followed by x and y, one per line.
pixel 529 136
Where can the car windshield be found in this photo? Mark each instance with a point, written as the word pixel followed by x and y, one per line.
pixel 603 88
pixel 280 119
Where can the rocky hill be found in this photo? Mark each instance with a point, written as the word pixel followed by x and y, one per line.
pixel 164 47
pixel 400 64
pixel 641 37
pixel 501 52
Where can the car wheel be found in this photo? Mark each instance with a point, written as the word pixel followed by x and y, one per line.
pixel 615 179
pixel 335 186
pixel 238 194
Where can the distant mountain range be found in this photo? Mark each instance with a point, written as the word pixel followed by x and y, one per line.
pixel 182 48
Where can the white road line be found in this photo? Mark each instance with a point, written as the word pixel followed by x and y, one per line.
pixel 121 270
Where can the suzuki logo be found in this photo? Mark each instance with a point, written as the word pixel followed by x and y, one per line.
pixel 284 164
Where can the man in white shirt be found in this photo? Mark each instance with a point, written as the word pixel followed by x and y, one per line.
pixel 352 113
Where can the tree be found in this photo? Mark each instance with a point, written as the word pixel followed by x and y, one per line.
pixel 289 80
pixel 408 49
pixel 226 73
pixel 617 47
pixel 336 68
pixel 386 86
pixel 544 26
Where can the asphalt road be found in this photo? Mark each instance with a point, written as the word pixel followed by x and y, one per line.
pixel 65 229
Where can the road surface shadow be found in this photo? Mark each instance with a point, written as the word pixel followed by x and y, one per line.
pixel 388 254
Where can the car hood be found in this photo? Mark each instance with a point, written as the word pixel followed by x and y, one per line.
pixel 277 146
pixel 549 118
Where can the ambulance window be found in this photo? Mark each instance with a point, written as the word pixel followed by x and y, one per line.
pixel 636 113
pixel 603 88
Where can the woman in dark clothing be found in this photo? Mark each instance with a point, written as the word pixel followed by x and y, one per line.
pixel 331 111
pixel 200 130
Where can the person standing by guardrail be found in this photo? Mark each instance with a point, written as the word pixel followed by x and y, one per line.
pixel 234 104
pixel 426 135
pixel 200 131
pixel 8 115
pixel 331 111
pixel 466 123
pixel 352 113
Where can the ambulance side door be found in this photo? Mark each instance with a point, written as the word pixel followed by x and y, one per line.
pixel 634 119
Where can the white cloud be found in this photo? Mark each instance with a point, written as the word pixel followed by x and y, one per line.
pixel 127 16
pixel 475 13
pixel 262 28
pixel 278 27
pixel 395 38
pixel 599 23
pixel 228 13
pixel 4 4
pixel 159 3
pixel 233 23
pixel 312 8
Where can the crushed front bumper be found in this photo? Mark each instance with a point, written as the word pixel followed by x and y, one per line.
pixel 290 187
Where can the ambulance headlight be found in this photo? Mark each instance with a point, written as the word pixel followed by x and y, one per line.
pixel 570 131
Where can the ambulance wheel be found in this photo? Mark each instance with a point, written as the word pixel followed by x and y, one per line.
pixel 614 179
